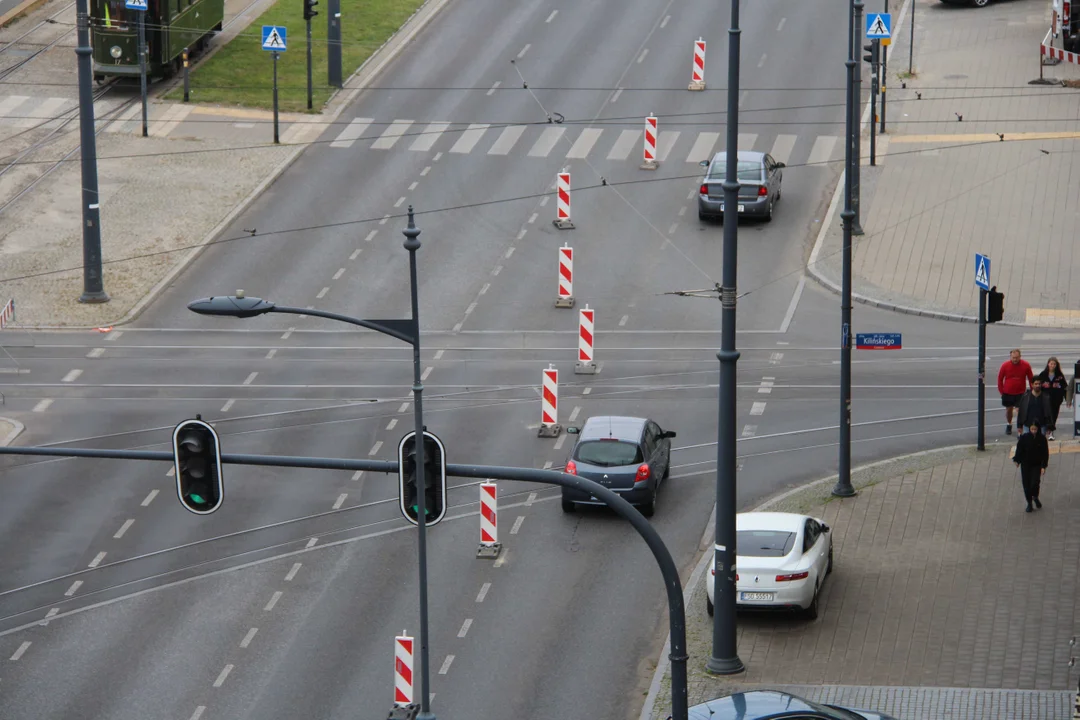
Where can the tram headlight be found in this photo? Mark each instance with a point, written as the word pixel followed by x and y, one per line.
pixel 116 52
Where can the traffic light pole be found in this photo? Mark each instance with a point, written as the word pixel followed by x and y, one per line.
pixel 982 370
pixel 875 69
pixel 309 101
pixel 93 287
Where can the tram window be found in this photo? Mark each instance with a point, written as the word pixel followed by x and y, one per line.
pixel 115 13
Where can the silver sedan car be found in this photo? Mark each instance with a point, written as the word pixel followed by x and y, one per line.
pixel 759 179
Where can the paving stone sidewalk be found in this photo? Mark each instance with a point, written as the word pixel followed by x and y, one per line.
pixel 947 599
pixel 945 189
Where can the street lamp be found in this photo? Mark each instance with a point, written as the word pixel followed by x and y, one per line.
pixel 407 330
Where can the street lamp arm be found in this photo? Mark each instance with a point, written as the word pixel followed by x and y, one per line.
pixel 404 330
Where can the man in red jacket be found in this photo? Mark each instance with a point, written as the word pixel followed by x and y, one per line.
pixel 1013 379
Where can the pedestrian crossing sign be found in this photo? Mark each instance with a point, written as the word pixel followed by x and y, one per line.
pixel 273 38
pixel 982 271
pixel 136 4
pixel 878 26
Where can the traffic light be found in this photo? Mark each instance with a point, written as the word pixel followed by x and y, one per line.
pixel 995 305
pixel 197 458
pixel 872 53
pixel 434 479
pixel 309 9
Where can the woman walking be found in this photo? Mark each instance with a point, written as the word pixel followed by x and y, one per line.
pixel 1032 455
pixel 1056 386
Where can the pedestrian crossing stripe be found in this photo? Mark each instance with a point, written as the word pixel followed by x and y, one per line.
pixel 273 38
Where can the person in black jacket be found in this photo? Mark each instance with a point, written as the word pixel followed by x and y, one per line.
pixel 1032 455
pixel 1054 384
pixel 1034 408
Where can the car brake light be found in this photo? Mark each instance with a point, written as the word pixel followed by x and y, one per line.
pixel 793 576
pixel 642 473
pixel 712 571
pixel 762 191
pixel 736 577
pixel 571 467
pixel 704 189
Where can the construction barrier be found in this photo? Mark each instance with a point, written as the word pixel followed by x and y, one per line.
pixel 7 314
pixel 403 669
pixel 697 78
pixel 489 524
pixel 586 324
pixel 549 404
pixel 562 205
pixel 566 277
pixel 650 144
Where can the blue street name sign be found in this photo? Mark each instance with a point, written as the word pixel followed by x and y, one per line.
pixel 982 271
pixel 878 26
pixel 273 38
pixel 878 341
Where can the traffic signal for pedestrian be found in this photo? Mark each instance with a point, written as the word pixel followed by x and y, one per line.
pixel 197 458
pixel 309 9
pixel 871 52
pixel 434 462
pixel 995 305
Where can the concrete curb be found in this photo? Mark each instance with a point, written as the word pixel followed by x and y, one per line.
pixel 17 428
pixel 26 6
pixel 707 541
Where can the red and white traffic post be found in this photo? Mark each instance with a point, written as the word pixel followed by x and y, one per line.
pixel 586 364
pixel 7 314
pixel 650 144
pixel 565 298
pixel 489 523
pixel 697 78
pixel 549 404
pixel 562 204
pixel 403 670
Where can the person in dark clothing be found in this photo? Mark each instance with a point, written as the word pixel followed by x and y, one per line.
pixel 1055 385
pixel 1034 408
pixel 1032 455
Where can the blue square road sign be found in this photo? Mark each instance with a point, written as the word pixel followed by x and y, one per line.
pixel 273 38
pixel 982 271
pixel 878 26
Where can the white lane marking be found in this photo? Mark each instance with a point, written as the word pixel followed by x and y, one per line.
pixel 485 288
pixel 483 592
pixel 249 637
pixel 358 474
pixel 413 184
pixel 355 253
pixel 500 561
pixel 322 293
pixel 496 270
pixel 400 201
pixel 51 613
pixel 228 404
pixel 524 50
pixel 97 559
pixel 641 57
pixel 469 138
pixel 586 391
pixel 352 132
pixel 622 320
pixel 114 335
pixel 295 569
pixel 370 235
pixel 782 147
pixel 552 16
pixel 521 233
pixel 171 471
pixel 507 138
pixel 822 150
pixel 428 369
pixel 544 201
pixel 22 648
pixel 672 228
pixel 389 426
pixel 74 587
pixel 385 219
pixel 574 414
pixel 464 628
pixel 338 274
pixel 428 138
pixel 664 22
pixel 509 252
pixel 749 431
pixel 703 147
pixel 72 376
pixel 425 171
pixel 780 26
pixel 747 140
pixel 615 97
pixel 273 600
pixel 43 405
pixel 584 144
pixel 559 442
pixel 546 142
pixel 761 62
pixel 149 498
pixel 198 712
pixel 757 408
pixel 391 135
pixel 517 524
pixel 96 352
pixel 438 155
pixel 775 358
pixel 530 500
pixel 494 88
pixel 339 502
pixel 287 333
pixel 548 464
pixel 532 218
pixel 311 542
pixel 446 665
pixel 251 377
pixel 271 353
pixel 375 447
pixel 692 194
pixel 222 675
pixel 404 407
pixel 439 353
pixel 124 528
pixel 665 143
pixel 766 387
pixel 793 306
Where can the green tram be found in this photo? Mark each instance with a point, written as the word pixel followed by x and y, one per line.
pixel 171 26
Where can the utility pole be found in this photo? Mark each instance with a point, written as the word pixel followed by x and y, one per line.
pixel 333 43
pixel 982 370
pixel 725 656
pixel 843 487
pixel 884 73
pixel 93 286
pixel 856 137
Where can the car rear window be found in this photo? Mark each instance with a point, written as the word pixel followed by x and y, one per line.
pixel 764 543
pixel 608 453
pixel 746 171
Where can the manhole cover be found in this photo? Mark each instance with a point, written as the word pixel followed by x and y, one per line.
pixel 955 77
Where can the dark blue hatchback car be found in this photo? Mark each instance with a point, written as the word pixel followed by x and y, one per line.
pixel 775 705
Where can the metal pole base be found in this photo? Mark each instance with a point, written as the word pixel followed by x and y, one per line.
pixel 650 165
pixel 586 368
pixel 563 224
pixel 94 297
pixel 844 489
pixel 725 666
pixel 549 431
pixel 404 712
pixel 489 551
pixel 565 302
pixel 856 229
pixel 697 85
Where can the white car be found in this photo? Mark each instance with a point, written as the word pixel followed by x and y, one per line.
pixel 780 564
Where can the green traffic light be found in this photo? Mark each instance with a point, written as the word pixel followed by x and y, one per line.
pixel 197 499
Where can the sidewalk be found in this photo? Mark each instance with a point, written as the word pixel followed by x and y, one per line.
pixel 946 189
pixel 947 599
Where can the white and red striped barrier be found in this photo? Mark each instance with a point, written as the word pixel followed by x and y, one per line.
pixel 549 403
pixel 697 78
pixel 586 364
pixel 489 521
pixel 650 144
pixel 7 314
pixel 1046 50
pixel 403 669
pixel 562 202
pixel 566 277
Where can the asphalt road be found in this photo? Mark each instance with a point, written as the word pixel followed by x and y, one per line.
pixel 284 603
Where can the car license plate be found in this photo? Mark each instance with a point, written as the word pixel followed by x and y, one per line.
pixel 755 596
pixel 742 208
